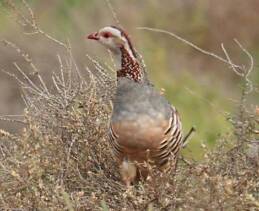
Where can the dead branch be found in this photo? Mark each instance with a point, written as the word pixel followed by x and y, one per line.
pixel 31 22
pixel 114 14
pixel 240 70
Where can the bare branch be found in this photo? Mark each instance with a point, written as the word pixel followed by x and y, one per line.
pixel 191 44
pixel 4 133
pixel 249 70
pixel 239 70
pixel 114 14
pixel 32 23
pixel 23 54
pixel 27 78
pixel 12 120
pixel 230 62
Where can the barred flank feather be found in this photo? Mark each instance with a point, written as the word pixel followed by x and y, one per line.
pixel 171 145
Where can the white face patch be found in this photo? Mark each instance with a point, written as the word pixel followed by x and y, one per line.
pixel 115 41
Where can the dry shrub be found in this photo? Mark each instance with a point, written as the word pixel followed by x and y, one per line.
pixel 73 169
pixel 62 160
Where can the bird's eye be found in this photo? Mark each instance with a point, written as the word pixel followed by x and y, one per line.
pixel 106 35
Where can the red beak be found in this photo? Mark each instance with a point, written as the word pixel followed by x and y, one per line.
pixel 93 36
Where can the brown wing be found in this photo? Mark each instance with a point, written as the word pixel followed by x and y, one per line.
pixel 117 149
pixel 172 141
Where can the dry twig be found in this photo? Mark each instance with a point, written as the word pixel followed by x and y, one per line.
pixel 240 70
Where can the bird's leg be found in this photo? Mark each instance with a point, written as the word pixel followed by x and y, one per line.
pixel 128 171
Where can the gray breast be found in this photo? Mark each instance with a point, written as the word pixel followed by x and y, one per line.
pixel 135 100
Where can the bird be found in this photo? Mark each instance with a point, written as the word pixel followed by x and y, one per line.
pixel 144 127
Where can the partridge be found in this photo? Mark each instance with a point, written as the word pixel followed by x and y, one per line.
pixel 144 127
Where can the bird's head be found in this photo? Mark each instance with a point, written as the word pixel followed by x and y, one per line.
pixel 125 57
pixel 113 38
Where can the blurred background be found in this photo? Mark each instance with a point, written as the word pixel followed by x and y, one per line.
pixel 204 90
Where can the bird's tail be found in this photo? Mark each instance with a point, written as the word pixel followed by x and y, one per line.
pixel 187 137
